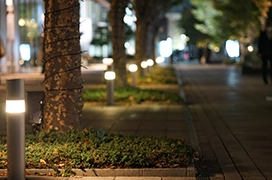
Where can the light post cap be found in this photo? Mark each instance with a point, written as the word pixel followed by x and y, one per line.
pixel 109 75
pixel 150 62
pixel 159 60
pixel 107 61
pixel 132 67
pixel 15 96
pixel 15 89
pixel 144 64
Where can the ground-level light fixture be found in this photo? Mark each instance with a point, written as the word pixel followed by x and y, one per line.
pixel 159 60
pixel 108 62
pixel 110 76
pixel 150 63
pixel 144 66
pixel 133 68
pixel 250 48
pixel 15 117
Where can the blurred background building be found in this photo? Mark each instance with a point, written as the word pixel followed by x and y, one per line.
pixel 21 29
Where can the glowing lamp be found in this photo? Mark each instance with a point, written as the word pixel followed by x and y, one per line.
pixel 107 61
pixel 15 106
pixel 9 2
pixel 132 67
pixel 144 64
pixel 109 75
pixel 150 62
pixel 159 60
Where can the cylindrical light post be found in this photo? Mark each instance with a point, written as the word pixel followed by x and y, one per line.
pixel 150 63
pixel 133 68
pixel 15 109
pixel 144 66
pixel 110 76
pixel 159 60
pixel 109 63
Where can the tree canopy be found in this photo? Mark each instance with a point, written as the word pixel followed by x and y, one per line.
pixel 230 18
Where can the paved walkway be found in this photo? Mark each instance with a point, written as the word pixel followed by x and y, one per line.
pixel 160 120
pixel 227 115
pixel 232 115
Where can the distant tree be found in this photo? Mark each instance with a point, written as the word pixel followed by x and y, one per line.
pixel 243 22
pixel 148 14
pixel 230 19
pixel 101 37
pixel 187 23
pixel 62 59
pixel 264 7
pixel 116 16
pixel 206 14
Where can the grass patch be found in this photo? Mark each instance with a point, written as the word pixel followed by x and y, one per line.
pixel 134 95
pixel 131 95
pixel 89 148
pixel 159 75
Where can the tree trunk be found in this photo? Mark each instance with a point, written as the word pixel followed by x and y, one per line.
pixel 62 57
pixel 141 41
pixel 116 16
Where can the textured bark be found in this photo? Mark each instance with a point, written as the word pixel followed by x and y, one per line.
pixel 146 15
pixel 62 58
pixel 141 42
pixel 149 14
pixel 116 16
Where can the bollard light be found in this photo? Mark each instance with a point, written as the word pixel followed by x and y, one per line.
pixel 109 63
pixel 144 66
pixel 15 106
pixel 15 117
pixel 150 63
pixel 133 68
pixel 159 60
pixel 110 76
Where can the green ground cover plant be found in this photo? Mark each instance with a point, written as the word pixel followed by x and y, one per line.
pixel 135 95
pixel 89 148
pixel 159 75
pixel 131 95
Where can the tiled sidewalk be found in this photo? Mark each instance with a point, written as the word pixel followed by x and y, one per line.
pixel 155 120
pixel 232 118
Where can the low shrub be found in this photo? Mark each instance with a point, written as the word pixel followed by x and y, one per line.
pixel 89 148
pixel 131 95
pixel 159 75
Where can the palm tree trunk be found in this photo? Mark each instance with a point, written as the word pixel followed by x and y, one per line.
pixel 62 57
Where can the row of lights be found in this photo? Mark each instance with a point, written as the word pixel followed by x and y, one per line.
pixel 110 74
pixel 15 109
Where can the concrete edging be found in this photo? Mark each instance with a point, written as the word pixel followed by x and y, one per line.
pixel 137 172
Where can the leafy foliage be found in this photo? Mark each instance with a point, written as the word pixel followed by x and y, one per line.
pixel 130 94
pixel 159 75
pixel 89 148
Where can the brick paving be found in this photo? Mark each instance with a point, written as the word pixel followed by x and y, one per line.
pixel 232 118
